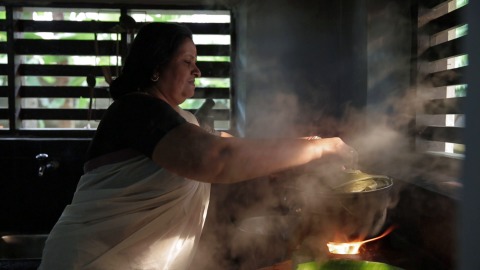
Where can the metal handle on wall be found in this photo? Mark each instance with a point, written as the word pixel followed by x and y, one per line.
pixel 46 164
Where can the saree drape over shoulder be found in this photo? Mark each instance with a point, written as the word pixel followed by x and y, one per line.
pixel 130 214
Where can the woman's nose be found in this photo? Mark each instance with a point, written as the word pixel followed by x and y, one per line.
pixel 196 72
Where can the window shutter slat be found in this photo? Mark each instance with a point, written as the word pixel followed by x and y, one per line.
pixel 100 92
pixel 431 3
pixel 214 69
pixel 61 91
pixel 3 69
pixel 443 106
pixel 209 69
pixel 107 27
pixel 210 92
pixel 213 50
pixel 435 161
pixel 4 113
pixel 446 77
pixel 442 134
pixel 209 28
pixel 437 172
pixel 444 22
pixel 441 87
pixel 65 47
pixel 59 70
pixel 59 114
pixel 443 50
pixel 3 91
pixel 87 47
pixel 63 26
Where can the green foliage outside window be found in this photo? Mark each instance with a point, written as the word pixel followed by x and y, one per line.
pixel 102 15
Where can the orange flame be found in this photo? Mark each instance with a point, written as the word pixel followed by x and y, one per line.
pixel 353 247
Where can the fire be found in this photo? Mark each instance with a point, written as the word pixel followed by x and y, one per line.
pixel 344 248
pixel 353 247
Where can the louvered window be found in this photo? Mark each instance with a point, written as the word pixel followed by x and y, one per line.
pixel 441 87
pixel 47 54
pixel 3 71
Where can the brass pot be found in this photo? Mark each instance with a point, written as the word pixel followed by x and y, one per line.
pixel 357 181
pixel 355 208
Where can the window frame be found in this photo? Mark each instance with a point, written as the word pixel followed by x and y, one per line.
pixel 14 90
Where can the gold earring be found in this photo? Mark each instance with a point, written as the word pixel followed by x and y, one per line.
pixel 154 77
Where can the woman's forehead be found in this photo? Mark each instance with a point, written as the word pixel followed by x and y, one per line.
pixel 187 48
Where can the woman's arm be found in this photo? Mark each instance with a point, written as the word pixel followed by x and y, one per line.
pixel 225 134
pixel 189 151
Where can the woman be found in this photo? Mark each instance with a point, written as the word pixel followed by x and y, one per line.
pixel 137 205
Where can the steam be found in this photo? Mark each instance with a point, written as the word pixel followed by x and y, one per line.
pixel 379 135
pixel 289 97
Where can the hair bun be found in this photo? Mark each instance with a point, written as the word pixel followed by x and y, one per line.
pixel 121 86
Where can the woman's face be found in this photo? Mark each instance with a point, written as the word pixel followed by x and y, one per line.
pixel 176 81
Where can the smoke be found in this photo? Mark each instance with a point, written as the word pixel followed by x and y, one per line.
pixel 288 96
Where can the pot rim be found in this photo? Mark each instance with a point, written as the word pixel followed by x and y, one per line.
pixel 333 193
pixel 383 177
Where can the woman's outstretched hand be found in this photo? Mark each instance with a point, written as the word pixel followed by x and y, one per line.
pixel 335 149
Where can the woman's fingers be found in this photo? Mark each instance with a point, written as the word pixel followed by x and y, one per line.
pixel 337 148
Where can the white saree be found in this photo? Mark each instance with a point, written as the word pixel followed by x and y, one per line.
pixel 129 215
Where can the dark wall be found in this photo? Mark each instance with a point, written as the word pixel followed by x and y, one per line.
pixel 425 230
pixel 30 203
pixel 469 217
pixel 298 63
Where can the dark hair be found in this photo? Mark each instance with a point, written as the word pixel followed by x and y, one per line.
pixel 153 47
